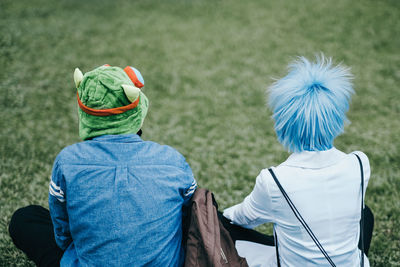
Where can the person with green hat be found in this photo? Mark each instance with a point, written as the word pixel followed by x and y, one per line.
pixel 114 199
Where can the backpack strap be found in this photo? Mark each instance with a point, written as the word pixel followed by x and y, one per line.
pixel 276 248
pixel 362 210
pixel 302 221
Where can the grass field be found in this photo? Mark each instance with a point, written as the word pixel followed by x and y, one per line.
pixel 206 65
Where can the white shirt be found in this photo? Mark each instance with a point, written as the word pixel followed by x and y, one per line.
pixel 325 187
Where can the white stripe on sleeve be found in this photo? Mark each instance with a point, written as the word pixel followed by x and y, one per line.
pixel 191 189
pixel 58 195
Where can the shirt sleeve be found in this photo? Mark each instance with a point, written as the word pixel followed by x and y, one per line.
pixel 255 208
pixel 191 185
pixel 57 205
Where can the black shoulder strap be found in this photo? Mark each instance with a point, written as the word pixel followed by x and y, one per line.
pixel 276 248
pixel 362 210
pixel 302 221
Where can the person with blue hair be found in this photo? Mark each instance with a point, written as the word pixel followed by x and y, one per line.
pixel 315 198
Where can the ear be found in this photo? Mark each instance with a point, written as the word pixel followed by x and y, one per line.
pixel 131 92
pixel 78 77
pixel 135 76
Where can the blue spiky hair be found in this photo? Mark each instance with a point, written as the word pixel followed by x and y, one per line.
pixel 310 103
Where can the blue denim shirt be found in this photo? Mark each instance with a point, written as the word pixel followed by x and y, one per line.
pixel 116 200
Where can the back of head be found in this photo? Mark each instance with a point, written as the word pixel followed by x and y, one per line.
pixel 110 101
pixel 310 103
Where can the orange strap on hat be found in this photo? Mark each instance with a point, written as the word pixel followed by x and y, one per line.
pixel 109 111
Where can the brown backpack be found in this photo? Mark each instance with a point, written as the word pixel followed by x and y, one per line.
pixel 207 242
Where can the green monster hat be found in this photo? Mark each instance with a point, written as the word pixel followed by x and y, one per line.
pixel 110 101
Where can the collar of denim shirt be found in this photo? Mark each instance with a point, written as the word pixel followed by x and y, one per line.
pixel 118 138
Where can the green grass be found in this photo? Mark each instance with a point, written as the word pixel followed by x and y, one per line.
pixel 206 65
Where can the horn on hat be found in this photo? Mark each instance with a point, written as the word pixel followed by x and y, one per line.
pixel 131 92
pixel 78 77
